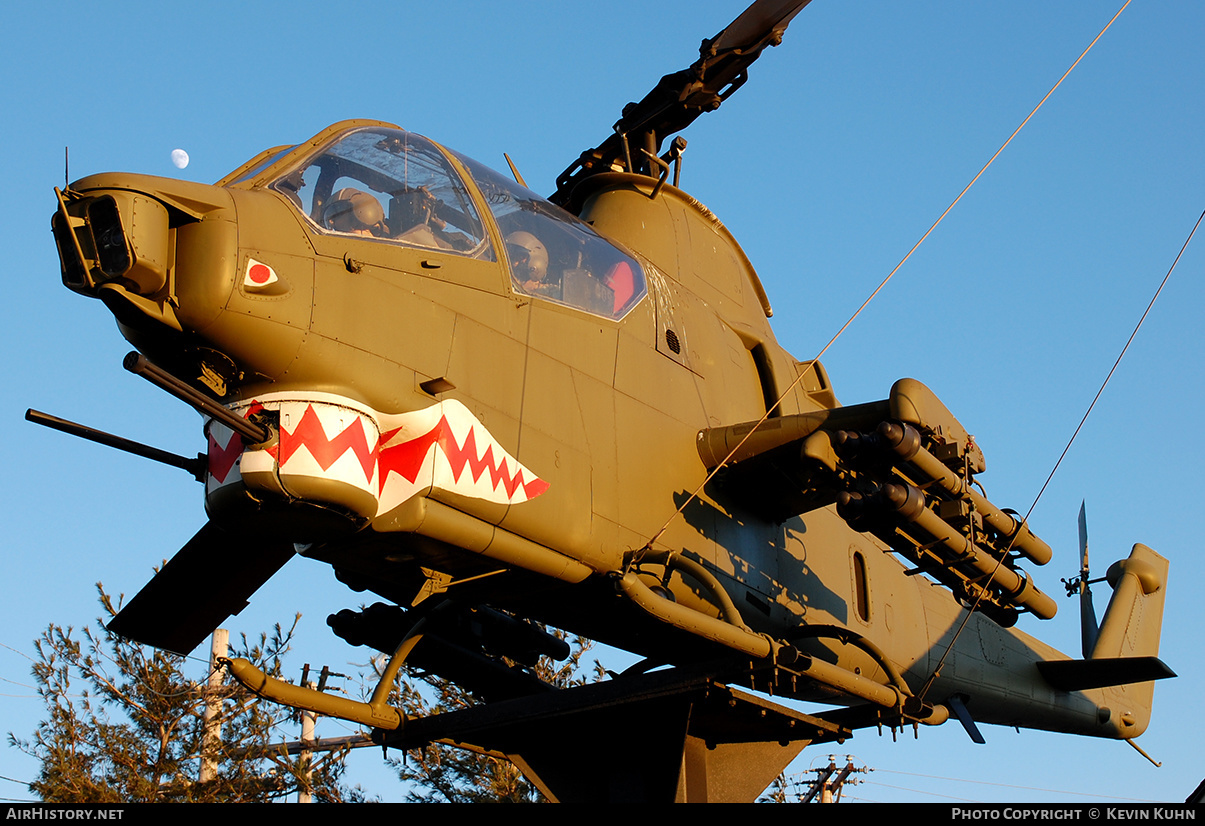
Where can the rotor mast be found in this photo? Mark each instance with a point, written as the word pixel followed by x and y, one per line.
pixel 682 96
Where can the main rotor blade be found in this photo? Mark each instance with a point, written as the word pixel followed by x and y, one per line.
pixel 210 578
pixel 754 22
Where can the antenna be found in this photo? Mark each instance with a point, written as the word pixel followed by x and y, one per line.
pixel 514 170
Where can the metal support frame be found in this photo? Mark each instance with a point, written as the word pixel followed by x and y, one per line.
pixel 667 736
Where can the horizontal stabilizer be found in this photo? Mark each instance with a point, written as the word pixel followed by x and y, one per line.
pixel 210 578
pixel 1078 675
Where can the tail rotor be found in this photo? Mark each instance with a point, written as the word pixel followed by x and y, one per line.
pixel 1082 585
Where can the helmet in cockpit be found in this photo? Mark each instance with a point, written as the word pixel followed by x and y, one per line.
pixel 354 211
pixel 529 257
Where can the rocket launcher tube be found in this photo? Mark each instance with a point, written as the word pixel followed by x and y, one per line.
pixel 1014 585
pixel 905 442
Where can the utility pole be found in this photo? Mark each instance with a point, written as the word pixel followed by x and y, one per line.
pixel 211 737
pixel 305 792
pixel 829 781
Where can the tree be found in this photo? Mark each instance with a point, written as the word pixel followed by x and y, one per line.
pixel 439 773
pixel 778 791
pixel 124 724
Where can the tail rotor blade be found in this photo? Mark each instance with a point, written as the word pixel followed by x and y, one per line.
pixel 1087 611
pixel 1083 537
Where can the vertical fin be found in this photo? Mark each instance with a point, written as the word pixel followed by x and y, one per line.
pixel 1131 628
pixel 1134 619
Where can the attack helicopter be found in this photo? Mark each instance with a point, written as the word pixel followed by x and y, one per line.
pixel 489 408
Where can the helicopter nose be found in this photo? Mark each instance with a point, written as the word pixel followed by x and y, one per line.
pixel 118 237
pixel 158 252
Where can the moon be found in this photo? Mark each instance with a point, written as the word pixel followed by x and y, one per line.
pixel 179 158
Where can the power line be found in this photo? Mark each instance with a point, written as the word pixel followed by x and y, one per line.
pixel 1008 786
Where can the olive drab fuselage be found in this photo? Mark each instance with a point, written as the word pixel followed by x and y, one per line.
pixel 463 381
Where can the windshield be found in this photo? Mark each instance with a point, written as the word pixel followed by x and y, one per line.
pixel 272 156
pixel 390 185
pixel 554 255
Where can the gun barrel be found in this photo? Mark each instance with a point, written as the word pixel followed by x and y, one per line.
pixel 137 364
pixel 195 466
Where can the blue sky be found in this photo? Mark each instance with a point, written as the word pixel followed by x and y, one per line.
pixel 846 144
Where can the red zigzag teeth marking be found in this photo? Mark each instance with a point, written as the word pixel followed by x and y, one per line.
pixel 535 487
pixel 309 433
pixel 222 459
pixel 406 460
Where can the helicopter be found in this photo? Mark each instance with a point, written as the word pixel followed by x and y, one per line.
pixel 458 395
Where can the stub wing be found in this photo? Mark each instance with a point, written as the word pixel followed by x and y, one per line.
pixel 901 469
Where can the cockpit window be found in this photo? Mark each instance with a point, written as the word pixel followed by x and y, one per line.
pixel 390 185
pixel 554 255
pixel 273 155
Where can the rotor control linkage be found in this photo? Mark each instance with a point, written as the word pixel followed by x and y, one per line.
pixel 681 97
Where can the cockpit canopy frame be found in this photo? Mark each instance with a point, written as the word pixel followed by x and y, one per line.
pixel 378 182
